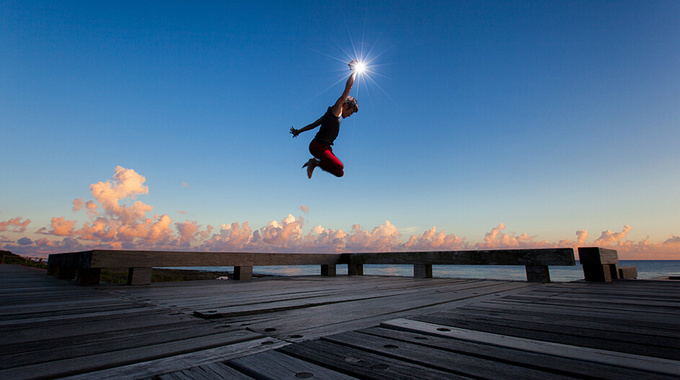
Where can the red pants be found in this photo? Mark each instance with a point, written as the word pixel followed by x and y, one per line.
pixel 328 161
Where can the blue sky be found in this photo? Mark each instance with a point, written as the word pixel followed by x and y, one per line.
pixel 497 123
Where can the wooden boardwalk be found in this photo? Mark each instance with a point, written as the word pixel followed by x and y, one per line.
pixel 341 327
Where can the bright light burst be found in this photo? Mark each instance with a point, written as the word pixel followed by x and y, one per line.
pixel 365 66
pixel 360 67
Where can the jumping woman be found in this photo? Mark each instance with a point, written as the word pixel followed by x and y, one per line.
pixel 320 147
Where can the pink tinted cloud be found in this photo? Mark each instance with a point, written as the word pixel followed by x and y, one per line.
pixel 320 239
pixel 434 240
pixel 188 233
pixel 383 238
pixel 581 236
pixel 284 233
pixel 126 184
pixel 15 225
pixel 78 204
pixel 498 239
pixel 62 227
pixel 608 236
pixel 232 237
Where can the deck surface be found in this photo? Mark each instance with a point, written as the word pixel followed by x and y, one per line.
pixel 337 328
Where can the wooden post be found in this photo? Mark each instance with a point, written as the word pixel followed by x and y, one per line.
pixel 599 264
pixel 355 269
pixel 538 273
pixel 328 270
pixel 243 273
pixel 88 276
pixel 422 270
pixel 139 276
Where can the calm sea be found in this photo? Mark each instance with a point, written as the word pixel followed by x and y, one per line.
pixel 647 269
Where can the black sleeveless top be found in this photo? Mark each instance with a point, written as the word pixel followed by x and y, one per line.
pixel 330 128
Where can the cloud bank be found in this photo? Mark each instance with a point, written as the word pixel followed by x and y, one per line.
pixel 114 219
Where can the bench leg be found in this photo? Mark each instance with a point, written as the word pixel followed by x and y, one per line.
pixel 538 273
pixel 600 272
pixel 422 270
pixel 243 273
pixel 355 269
pixel 628 272
pixel 328 270
pixel 52 270
pixel 66 273
pixel 88 276
pixel 139 276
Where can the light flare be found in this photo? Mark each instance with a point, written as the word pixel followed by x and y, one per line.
pixel 359 67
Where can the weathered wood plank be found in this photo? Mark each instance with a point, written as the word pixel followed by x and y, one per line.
pixel 460 363
pixel 622 359
pixel 538 360
pixel 112 359
pixel 362 364
pixel 177 363
pixel 84 345
pixel 276 365
pixel 101 322
pixel 552 335
pixel 209 371
pixel 605 305
pixel 604 323
pixel 604 302
pixel 627 317
pixel 601 333
pixel 56 308
pixel 222 371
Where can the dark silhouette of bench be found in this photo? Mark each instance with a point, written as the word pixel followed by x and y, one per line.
pixel 86 266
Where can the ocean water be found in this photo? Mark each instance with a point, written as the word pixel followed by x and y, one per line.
pixel 647 269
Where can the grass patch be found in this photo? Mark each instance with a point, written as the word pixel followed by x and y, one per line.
pixel 14 259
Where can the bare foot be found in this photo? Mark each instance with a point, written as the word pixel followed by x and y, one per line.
pixel 311 165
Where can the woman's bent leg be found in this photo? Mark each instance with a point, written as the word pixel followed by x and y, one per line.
pixel 327 160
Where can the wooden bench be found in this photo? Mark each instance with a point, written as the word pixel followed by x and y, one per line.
pixel 602 265
pixel 86 266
